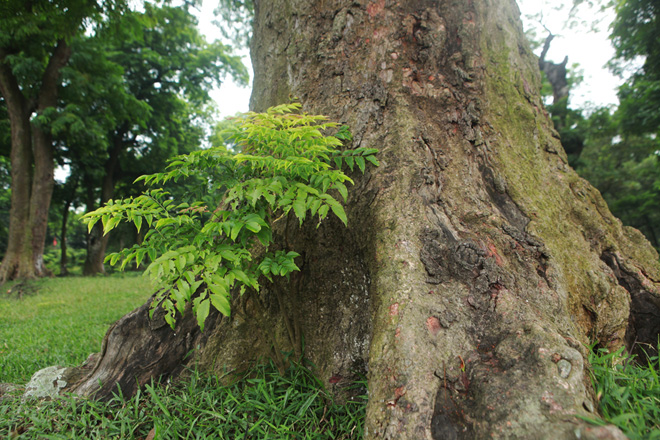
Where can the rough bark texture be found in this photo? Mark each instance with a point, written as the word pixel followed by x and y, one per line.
pixel 477 265
pixel 135 351
pixel 21 159
pixel 484 252
pixel 32 168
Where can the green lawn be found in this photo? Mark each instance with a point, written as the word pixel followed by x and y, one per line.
pixel 60 321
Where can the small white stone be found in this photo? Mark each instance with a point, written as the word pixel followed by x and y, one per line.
pixel 45 383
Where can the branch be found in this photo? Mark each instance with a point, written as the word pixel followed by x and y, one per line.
pixel 546 48
pixel 9 86
pixel 50 80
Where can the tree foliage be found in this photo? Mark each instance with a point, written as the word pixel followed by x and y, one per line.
pixel 134 95
pixel 617 150
pixel 35 46
pixel 143 89
pixel 202 249
pixel 634 35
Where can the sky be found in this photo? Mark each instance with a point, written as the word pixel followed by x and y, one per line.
pixel 591 50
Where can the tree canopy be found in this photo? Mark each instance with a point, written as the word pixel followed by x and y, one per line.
pixel 132 91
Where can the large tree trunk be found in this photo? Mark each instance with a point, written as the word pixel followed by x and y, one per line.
pixel 17 260
pixel 32 168
pixel 477 266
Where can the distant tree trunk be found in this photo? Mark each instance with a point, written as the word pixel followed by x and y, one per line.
pixel 16 260
pixel 97 242
pixel 32 168
pixel 556 73
pixel 477 266
pixel 64 271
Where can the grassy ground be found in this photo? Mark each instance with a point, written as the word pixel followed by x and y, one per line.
pixel 262 405
pixel 60 321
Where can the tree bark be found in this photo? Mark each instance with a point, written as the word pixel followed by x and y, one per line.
pixel 32 168
pixel 477 266
pixel 64 271
pixel 16 260
pixel 486 254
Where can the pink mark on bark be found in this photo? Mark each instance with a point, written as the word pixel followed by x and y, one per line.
pixel 492 252
pixel 433 325
pixel 549 399
pixel 394 309
pixel 375 8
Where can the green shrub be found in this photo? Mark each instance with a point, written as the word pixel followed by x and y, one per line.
pixel 219 242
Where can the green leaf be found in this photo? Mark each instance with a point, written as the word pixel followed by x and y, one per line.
pixel 228 255
pixel 253 226
pixel 138 222
pixel 349 161
pixel 114 257
pixel 244 278
pixel 373 160
pixel 221 303
pixel 314 206
pixel 342 190
pixel 140 256
pixel 255 194
pixel 236 229
pixel 164 222
pixel 110 224
pixel 91 221
pixel 265 236
pixel 300 209
pixel 323 211
pixel 337 209
pixel 359 160
pixel 202 312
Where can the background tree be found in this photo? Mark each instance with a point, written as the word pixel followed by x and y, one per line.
pixel 635 37
pixel 624 167
pixel 477 267
pixel 168 70
pixel 5 195
pixel 134 94
pixel 5 179
pixel 616 149
pixel 34 47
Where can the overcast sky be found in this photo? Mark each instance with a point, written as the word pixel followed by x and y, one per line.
pixel 591 50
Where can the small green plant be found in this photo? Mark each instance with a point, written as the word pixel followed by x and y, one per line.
pixel 202 250
pixel 628 392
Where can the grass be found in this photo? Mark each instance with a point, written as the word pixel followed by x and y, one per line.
pixel 60 321
pixel 628 393
pixel 263 404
